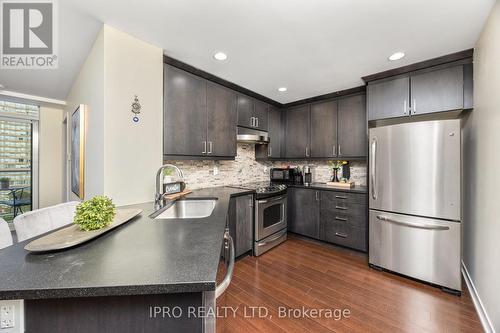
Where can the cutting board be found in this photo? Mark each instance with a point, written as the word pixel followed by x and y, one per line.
pixel 341 184
pixel 72 235
pixel 177 195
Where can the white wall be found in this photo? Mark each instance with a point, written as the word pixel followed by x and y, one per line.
pixel 133 151
pixel 88 89
pixel 121 156
pixel 51 157
pixel 481 137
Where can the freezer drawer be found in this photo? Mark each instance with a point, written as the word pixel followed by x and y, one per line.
pixel 415 169
pixel 422 248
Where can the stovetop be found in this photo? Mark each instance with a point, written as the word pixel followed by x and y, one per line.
pixel 263 189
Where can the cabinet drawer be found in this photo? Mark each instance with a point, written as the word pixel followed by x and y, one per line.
pixel 343 197
pixel 343 234
pixel 355 218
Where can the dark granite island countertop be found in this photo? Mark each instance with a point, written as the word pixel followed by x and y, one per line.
pixel 144 256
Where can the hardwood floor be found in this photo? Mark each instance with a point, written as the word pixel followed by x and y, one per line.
pixel 305 273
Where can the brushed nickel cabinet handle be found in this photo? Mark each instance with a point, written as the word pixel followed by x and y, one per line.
pixel 339 234
pixel 341 208
pixel 340 197
pixel 340 218
pixel 204 147
pixel 340 153
pixel 210 147
pixel 334 150
pixel 256 122
pixel 404 107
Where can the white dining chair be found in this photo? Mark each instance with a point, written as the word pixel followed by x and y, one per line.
pixel 40 221
pixel 5 235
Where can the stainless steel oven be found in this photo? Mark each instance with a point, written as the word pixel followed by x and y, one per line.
pixel 270 222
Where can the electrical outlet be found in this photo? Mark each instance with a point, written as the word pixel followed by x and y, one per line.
pixel 12 316
pixel 7 313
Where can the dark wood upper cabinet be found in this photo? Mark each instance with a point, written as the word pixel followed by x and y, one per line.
pixel 437 91
pixel 352 139
pixel 425 91
pixel 297 126
pixel 184 113
pixel 245 111
pixel 261 114
pixel 388 98
pixel 276 134
pixel 303 212
pixel 324 129
pixel 221 121
pixel 252 113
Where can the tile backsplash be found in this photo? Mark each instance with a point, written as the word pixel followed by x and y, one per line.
pixel 245 169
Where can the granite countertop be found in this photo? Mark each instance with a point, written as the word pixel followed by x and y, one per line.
pixel 143 256
pixel 323 186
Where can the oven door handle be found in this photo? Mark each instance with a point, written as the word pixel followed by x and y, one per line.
pixel 273 239
pixel 271 200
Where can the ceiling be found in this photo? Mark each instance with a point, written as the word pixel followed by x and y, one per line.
pixel 311 47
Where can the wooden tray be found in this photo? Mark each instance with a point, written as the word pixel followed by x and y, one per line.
pixel 72 235
pixel 341 184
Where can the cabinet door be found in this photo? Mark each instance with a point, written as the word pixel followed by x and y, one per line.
pixel 436 91
pixel 303 212
pixel 245 111
pixel 184 113
pixel 388 99
pixel 244 224
pixel 352 137
pixel 324 129
pixel 261 113
pixel 275 132
pixel 221 113
pixel 240 217
pixel 297 132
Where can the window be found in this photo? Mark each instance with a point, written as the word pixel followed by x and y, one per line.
pixel 18 128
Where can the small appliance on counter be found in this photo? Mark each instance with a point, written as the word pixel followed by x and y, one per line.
pixel 286 175
pixel 307 175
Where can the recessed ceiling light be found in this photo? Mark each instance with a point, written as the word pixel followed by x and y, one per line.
pixel 220 56
pixel 396 56
pixel 282 89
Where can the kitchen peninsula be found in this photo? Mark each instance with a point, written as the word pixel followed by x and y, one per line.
pixel 114 280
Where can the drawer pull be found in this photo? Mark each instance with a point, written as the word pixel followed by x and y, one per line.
pixel 340 218
pixel 340 197
pixel 339 234
pixel 341 208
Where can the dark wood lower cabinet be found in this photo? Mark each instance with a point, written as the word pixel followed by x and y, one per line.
pixel 335 217
pixel 124 314
pixel 303 211
pixel 241 223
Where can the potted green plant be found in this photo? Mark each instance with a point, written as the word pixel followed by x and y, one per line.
pixel 4 182
pixel 95 214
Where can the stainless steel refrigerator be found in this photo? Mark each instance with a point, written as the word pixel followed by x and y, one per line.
pixel 415 200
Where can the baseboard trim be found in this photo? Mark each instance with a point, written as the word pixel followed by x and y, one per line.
pixel 478 304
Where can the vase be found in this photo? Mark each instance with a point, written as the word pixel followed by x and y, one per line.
pixel 335 177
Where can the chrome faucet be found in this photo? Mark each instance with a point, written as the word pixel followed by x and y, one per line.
pixel 159 194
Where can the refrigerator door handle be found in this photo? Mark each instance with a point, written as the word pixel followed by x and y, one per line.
pixel 412 225
pixel 373 169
